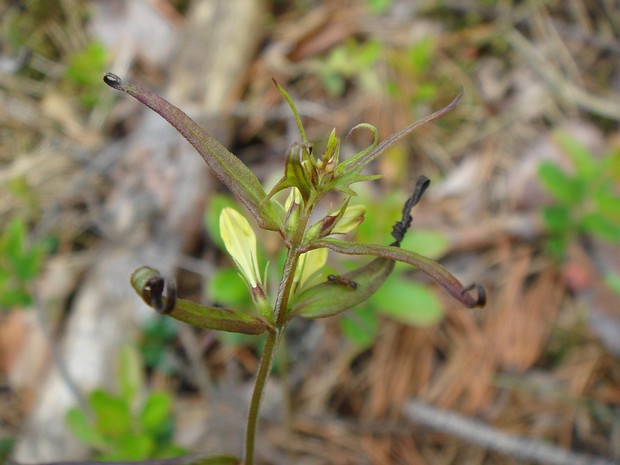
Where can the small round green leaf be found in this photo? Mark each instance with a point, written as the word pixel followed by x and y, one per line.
pixel 155 412
pixel 408 302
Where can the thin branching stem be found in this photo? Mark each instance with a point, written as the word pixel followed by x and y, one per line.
pixel 264 368
pixel 273 337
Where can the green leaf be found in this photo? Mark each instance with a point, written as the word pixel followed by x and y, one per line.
pixel 377 7
pixel 135 446
pixel 557 219
pixel 607 203
pixel 78 424
pixel 563 187
pixel 156 411
pixel 231 171
pixel 216 460
pixel 6 445
pixel 360 326
pixel 169 450
pixel 433 244
pixel 408 302
pixel 333 297
pixel 596 223
pixel 157 333
pixel 556 246
pixel 585 164
pixel 227 288
pixel 13 297
pixel 611 164
pixel 84 67
pixel 112 414
pixel 421 53
pixel 612 280
pixel 360 162
pixel 13 240
pixel 130 373
pixel 293 108
pixel 427 266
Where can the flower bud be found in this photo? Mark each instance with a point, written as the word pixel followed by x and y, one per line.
pixel 240 242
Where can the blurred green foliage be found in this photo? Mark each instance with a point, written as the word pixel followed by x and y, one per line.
pixel 157 334
pixel 6 445
pixel 84 70
pixel 378 7
pixel 130 424
pixel 20 264
pixel 587 201
pixel 352 61
pixel 414 81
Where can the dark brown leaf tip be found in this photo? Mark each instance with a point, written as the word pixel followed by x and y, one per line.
pixel 113 80
pixel 481 299
pixel 153 293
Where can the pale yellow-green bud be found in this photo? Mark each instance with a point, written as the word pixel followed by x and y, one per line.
pixel 308 267
pixel 352 218
pixel 240 242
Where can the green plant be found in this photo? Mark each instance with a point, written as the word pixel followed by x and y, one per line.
pixel 350 61
pixel 378 7
pixel 6 445
pixel 301 290
pixel 83 72
pixel 587 201
pixel 130 425
pixel 20 264
pixel 157 333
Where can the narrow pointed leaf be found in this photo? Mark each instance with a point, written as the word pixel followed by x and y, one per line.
pixel 357 156
pixel 294 173
pixel 231 171
pixel 427 266
pixel 360 162
pixel 291 104
pixel 148 283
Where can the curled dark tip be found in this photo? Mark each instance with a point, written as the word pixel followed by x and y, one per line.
pixel 112 80
pixel 153 293
pixel 400 227
pixel 481 300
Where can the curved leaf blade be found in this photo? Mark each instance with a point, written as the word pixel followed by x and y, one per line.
pixel 340 294
pixel 427 266
pixel 359 163
pixel 231 171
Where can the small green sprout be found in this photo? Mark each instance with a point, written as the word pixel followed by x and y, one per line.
pixel 586 201
pixel 301 290
pixel 126 425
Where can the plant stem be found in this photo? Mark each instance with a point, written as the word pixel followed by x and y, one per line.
pixel 271 343
pixel 259 386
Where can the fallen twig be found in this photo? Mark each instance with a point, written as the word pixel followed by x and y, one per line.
pixel 483 435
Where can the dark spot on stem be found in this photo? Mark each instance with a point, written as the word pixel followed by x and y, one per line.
pixel 113 80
